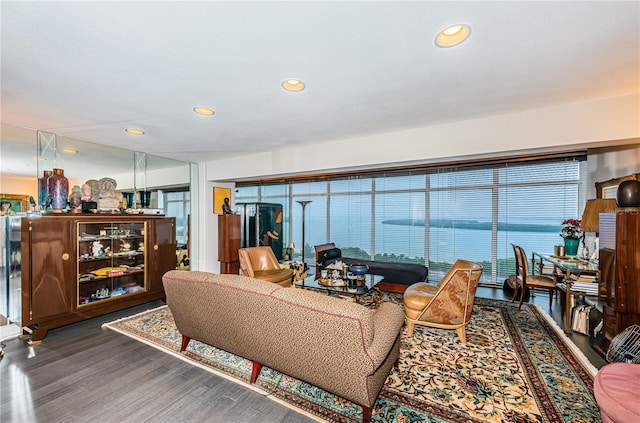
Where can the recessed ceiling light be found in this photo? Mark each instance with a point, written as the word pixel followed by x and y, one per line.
pixel 203 111
pixel 452 30
pixel 293 85
pixel 453 35
pixel 134 131
pixel 69 151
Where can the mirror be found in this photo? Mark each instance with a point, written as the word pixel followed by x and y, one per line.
pixel 20 164
pixel 608 189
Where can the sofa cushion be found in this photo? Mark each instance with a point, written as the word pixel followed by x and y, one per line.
pixel 416 297
pixel 399 273
pixel 330 254
pixel 279 276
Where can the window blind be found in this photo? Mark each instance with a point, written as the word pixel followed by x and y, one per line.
pixel 435 216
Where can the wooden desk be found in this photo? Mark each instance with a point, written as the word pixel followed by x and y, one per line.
pixel 569 266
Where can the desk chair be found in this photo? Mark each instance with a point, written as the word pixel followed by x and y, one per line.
pixel 525 280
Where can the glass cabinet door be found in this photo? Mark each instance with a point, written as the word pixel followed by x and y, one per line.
pixel 111 260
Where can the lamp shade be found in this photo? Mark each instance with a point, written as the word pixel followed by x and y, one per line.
pixel 591 214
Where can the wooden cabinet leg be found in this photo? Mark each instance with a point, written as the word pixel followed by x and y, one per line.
pixel 37 335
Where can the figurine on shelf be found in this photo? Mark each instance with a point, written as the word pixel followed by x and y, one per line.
pixel 90 191
pixel 75 199
pixel 96 249
pixel 226 207
pixel 107 200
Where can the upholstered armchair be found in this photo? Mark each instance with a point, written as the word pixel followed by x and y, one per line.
pixel 261 263
pixel 447 305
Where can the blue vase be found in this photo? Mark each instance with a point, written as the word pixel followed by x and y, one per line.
pixel 43 188
pixel 571 246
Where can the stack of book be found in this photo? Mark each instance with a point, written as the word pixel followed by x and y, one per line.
pixel 584 284
pixel 584 319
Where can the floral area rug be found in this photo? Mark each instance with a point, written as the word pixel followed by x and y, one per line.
pixel 517 366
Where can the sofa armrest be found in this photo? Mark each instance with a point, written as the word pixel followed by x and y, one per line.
pixel 387 323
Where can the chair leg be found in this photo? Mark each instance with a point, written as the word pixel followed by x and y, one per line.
pixel 550 298
pixel 255 371
pixel 410 325
pixel 515 292
pixel 185 342
pixel 366 414
pixel 462 334
pixel 522 291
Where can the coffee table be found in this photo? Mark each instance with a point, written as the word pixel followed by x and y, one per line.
pixel 369 284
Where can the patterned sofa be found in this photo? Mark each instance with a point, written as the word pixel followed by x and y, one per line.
pixel 340 346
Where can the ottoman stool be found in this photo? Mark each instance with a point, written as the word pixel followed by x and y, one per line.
pixel 616 388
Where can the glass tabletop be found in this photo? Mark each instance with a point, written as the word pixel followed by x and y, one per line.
pixel 363 287
pixel 570 263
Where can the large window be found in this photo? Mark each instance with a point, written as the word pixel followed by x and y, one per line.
pixel 433 216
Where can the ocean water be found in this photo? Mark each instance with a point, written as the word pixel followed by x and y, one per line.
pixel 445 244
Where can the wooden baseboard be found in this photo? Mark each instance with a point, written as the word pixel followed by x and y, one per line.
pixel 392 287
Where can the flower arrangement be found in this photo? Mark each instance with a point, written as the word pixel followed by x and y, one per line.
pixel 570 229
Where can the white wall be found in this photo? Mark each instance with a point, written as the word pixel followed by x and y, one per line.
pixel 606 122
pixel 556 128
pixel 616 163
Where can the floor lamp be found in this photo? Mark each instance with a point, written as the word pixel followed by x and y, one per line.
pixel 303 204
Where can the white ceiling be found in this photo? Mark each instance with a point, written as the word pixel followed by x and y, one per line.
pixel 88 70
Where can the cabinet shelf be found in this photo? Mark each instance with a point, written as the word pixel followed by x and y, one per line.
pixel 120 255
pixel 56 290
pixel 104 255
pixel 91 238
pixel 85 301
pixel 100 278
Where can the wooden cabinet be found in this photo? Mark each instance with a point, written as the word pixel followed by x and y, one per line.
pixel 619 289
pixel 229 243
pixel 78 267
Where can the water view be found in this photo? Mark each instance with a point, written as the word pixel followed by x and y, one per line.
pixel 403 240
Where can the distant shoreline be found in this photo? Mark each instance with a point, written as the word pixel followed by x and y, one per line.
pixel 475 225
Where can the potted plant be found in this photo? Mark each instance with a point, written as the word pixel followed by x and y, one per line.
pixel 571 234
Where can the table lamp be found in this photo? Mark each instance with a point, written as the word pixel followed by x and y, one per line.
pixel 591 217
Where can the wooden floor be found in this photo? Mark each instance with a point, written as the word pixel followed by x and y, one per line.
pixel 583 342
pixel 83 373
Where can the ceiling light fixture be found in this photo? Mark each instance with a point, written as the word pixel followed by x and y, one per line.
pixel 134 131
pixel 453 35
pixel 203 111
pixel 69 151
pixel 293 85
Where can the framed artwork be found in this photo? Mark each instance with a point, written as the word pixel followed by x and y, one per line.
pixel 608 189
pixel 18 203
pixel 219 194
